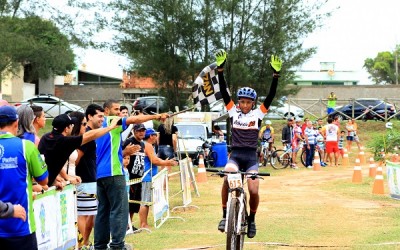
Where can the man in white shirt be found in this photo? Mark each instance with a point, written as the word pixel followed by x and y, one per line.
pixel 332 134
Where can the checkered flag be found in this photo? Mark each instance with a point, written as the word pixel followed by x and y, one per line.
pixel 206 87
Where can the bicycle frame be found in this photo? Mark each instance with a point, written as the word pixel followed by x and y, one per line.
pixel 236 229
pixel 233 194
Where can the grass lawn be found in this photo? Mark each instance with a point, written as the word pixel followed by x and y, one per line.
pixel 299 209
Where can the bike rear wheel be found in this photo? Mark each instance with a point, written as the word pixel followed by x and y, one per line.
pixel 303 157
pixel 283 159
pixel 233 241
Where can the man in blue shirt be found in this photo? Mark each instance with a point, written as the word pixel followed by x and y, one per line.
pixel 19 162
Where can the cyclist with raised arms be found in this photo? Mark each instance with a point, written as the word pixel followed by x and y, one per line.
pixel 246 123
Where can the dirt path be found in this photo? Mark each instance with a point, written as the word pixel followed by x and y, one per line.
pixel 304 194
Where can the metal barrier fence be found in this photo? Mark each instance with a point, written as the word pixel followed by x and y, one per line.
pixel 313 108
pixel 317 108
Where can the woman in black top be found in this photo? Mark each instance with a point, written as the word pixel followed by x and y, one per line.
pixel 167 139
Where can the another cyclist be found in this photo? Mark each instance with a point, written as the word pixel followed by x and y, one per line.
pixel 246 123
pixel 266 134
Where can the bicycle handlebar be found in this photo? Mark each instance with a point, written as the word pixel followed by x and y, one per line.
pixel 223 172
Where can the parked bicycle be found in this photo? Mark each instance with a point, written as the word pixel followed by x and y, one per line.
pixel 236 208
pixel 268 156
pixel 283 157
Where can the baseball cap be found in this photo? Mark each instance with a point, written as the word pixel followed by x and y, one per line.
pixel 62 121
pixel 149 132
pixel 139 126
pixel 8 114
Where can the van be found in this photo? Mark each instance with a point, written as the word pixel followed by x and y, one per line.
pixel 190 136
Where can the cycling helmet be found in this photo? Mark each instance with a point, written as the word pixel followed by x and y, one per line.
pixel 389 125
pixel 247 92
pixel 268 122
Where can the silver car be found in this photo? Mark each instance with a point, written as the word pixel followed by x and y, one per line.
pixel 52 106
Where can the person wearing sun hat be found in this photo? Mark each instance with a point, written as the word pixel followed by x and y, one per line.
pixel 151 163
pixel 57 145
pixel 19 162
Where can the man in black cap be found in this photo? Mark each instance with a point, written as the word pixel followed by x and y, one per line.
pixel 136 167
pixel 57 145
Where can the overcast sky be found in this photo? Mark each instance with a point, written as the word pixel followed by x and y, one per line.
pixel 358 29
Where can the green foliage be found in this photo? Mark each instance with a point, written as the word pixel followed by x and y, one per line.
pixel 35 42
pixel 384 143
pixel 66 16
pixel 382 68
pixel 172 40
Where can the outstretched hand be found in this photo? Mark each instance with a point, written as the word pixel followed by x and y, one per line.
pixel 276 64
pixel 220 56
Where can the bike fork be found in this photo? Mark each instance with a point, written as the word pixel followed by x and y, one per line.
pixel 240 212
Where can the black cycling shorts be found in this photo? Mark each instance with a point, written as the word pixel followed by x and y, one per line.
pixel 244 159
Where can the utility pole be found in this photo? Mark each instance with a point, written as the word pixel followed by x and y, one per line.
pixel 396 66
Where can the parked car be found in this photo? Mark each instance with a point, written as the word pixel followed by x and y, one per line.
pixel 284 111
pixel 362 109
pixel 150 104
pixel 52 105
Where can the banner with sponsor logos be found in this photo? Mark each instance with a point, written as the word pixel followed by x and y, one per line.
pixel 185 182
pixel 393 178
pixel 160 197
pixel 55 217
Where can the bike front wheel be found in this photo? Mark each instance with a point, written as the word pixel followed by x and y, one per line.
pixel 233 241
pixel 282 159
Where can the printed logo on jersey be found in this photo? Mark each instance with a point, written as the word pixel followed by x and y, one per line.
pixel 7 163
pixel 1 151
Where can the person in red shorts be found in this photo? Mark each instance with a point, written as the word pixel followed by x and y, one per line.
pixel 332 134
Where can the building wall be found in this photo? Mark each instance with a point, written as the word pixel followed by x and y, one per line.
pixel 87 92
pixel 347 92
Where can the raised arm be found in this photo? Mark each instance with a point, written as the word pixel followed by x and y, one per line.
pixel 96 133
pixel 220 56
pixel 148 149
pixel 144 118
pixel 276 65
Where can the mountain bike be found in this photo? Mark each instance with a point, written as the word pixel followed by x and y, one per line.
pixel 268 156
pixel 236 210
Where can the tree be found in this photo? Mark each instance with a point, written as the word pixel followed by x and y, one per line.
pixel 172 40
pixel 382 68
pixel 35 43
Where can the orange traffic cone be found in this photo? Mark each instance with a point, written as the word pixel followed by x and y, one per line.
pixel 357 175
pixel 345 158
pixel 361 156
pixel 378 183
pixel 316 162
pixel 201 171
pixel 372 167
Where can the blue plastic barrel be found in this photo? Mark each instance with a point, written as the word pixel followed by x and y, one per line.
pixel 221 150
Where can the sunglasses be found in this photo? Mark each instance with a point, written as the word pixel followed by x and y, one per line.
pixel 84 124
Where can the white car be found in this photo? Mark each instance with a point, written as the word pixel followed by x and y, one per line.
pixel 285 111
pixel 52 106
